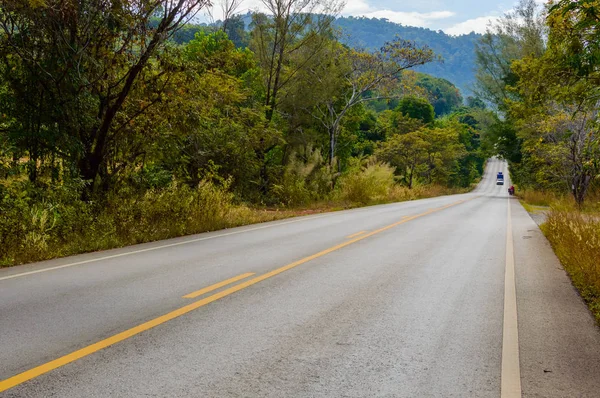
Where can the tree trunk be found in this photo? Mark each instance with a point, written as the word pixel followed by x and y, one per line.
pixel 331 146
pixel 579 187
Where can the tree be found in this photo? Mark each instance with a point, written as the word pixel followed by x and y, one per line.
pixel 236 31
pixel 289 26
pixel 575 38
pixel 82 62
pixel 366 77
pixel 517 34
pixel 407 153
pixel 443 95
pixel 416 108
pixel 216 126
pixel 432 154
pixel 558 124
pixel 476 102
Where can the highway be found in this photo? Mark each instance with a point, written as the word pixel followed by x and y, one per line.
pixel 454 296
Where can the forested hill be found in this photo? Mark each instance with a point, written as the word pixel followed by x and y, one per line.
pixel 457 52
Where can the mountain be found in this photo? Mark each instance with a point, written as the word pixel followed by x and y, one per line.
pixel 457 52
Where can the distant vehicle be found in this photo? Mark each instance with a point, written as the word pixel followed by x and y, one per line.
pixel 500 178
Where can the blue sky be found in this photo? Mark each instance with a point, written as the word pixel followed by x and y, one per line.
pixel 453 17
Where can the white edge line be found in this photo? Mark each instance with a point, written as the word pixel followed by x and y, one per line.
pixel 159 247
pixel 510 378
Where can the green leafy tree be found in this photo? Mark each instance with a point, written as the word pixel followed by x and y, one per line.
pixel 289 26
pixel 366 77
pixel 83 63
pixel 517 34
pixel 443 95
pixel 416 108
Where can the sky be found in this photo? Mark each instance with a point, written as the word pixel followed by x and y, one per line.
pixel 453 17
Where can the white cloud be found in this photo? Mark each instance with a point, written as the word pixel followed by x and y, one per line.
pixel 477 25
pixel 356 7
pixel 408 18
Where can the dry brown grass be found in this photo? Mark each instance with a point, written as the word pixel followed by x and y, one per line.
pixel 39 231
pixel 538 198
pixel 575 238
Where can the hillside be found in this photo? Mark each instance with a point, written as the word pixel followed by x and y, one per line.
pixel 457 52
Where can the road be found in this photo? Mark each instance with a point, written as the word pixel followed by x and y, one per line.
pixel 455 296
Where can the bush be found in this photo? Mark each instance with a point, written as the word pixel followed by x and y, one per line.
pixel 367 185
pixel 62 225
pixel 306 179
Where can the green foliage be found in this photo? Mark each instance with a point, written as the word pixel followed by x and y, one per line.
pixel 61 225
pixel 75 99
pixel 443 95
pixel 575 38
pixel 517 34
pixel 306 179
pixel 416 108
pixel 136 130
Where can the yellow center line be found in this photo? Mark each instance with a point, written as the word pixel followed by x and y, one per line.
pixel 217 285
pixel 356 234
pixel 83 352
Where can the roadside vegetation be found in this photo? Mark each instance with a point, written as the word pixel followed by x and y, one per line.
pixel 127 124
pixel 539 66
pixel 574 233
pixel 60 224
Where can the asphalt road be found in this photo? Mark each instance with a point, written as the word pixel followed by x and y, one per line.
pixel 414 299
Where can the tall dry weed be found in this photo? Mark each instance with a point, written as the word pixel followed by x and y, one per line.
pixel 575 238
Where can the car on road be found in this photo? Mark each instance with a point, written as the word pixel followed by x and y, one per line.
pixel 500 178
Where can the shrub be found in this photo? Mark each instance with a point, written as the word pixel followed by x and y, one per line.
pixel 372 183
pixel 306 179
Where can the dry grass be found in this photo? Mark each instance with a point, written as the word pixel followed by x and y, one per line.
pixel 575 238
pixel 65 226
pixel 538 198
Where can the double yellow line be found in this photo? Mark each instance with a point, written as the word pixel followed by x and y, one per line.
pixel 83 352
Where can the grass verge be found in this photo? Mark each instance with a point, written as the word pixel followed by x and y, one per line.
pixel 60 225
pixel 575 237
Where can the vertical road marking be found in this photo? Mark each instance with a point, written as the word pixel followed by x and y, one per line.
pixel 511 373
pixel 217 285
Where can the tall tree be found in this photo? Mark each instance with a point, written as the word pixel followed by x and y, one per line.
pixel 289 26
pixel 517 34
pixel 365 77
pixel 83 60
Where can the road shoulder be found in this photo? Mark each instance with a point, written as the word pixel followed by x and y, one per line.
pixel 558 338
